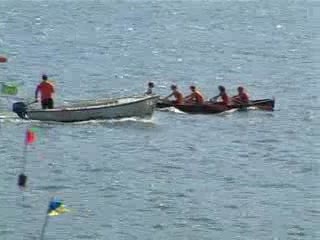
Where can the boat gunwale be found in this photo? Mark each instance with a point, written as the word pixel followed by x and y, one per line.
pixel 96 107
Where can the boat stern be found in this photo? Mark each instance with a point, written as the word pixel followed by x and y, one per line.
pixel 20 108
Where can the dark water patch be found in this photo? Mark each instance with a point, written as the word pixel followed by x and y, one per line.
pixel 6 232
pixel 205 223
pixel 54 188
pixel 234 207
pixel 109 195
pixel 314 212
pixel 242 226
pixel 171 166
pixel 305 170
pixel 126 235
pixel 270 203
pixel 296 231
pixel 112 188
pixel 229 180
pixel 244 155
pixel 98 170
pixel 179 195
pixel 145 210
pixel 88 236
pixel 278 186
pixel 106 225
pixel 190 190
pixel 159 226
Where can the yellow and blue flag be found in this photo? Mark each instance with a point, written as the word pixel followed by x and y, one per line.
pixel 56 207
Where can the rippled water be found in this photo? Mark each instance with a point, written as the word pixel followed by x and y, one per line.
pixel 241 175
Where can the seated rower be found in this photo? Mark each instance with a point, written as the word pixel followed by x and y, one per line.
pixel 176 94
pixel 222 95
pixel 150 87
pixel 194 97
pixel 242 97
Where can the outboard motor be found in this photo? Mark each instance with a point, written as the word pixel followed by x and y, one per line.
pixel 20 108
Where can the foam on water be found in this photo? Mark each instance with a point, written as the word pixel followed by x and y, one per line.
pixel 171 109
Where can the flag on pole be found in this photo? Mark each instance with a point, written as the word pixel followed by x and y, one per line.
pixel 56 207
pixel 9 89
pixel 30 136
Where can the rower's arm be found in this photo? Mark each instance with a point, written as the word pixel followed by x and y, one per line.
pixel 236 96
pixel 188 97
pixel 213 99
pixel 168 96
pixel 36 93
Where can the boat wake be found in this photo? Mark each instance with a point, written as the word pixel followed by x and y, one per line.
pixel 228 112
pixel 111 121
pixel 171 109
pixel 6 116
pixel 12 118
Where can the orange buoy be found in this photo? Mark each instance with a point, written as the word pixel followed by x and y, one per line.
pixel 3 59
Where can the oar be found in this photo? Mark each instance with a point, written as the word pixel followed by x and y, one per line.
pixel 33 102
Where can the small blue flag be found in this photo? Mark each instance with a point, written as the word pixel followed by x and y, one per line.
pixel 56 207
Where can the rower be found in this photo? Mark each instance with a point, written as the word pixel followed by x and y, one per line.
pixel 176 94
pixel 150 87
pixel 242 97
pixel 225 100
pixel 46 89
pixel 194 97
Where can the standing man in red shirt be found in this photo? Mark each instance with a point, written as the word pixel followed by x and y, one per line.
pixel 46 89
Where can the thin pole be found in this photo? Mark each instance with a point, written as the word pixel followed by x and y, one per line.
pixel 24 161
pixel 43 230
pixel 22 178
pixel 46 220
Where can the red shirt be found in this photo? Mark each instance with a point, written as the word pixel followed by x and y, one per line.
pixel 46 89
pixel 179 97
pixel 225 99
pixel 244 97
pixel 197 97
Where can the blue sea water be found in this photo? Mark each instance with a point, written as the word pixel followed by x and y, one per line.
pixel 242 175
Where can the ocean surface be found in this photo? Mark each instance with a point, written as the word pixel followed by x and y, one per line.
pixel 243 175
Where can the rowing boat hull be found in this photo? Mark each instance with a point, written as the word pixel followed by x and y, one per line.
pixel 213 108
pixel 141 107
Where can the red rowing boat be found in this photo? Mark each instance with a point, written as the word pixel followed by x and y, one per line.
pixel 211 108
